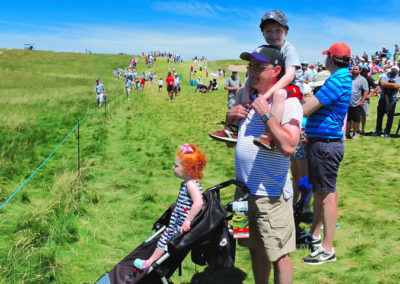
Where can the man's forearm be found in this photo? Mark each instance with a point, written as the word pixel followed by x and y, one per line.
pixel 390 85
pixel 285 140
pixel 365 96
pixel 311 105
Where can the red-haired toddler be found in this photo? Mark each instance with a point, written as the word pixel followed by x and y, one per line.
pixel 189 164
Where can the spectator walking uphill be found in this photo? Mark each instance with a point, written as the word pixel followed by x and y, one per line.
pixel 271 222
pixel 325 149
pixel 387 103
pixel 142 83
pixel 160 84
pixel 128 87
pixel 100 92
pixel 170 81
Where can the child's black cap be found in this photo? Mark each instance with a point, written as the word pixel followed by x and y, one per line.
pixel 274 15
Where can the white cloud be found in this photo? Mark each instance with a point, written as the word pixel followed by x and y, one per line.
pixel 186 8
pixel 309 35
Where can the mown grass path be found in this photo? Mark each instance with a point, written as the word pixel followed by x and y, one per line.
pixel 56 231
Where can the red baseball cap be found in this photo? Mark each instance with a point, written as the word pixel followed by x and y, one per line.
pixel 339 50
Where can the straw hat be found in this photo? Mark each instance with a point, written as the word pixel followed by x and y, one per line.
pixel 320 79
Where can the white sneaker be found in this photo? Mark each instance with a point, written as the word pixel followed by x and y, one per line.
pixel 320 256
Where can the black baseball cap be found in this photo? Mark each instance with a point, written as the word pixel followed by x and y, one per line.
pixel 265 53
pixel 274 15
pixel 365 69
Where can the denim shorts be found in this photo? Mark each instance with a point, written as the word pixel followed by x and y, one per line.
pixel 324 159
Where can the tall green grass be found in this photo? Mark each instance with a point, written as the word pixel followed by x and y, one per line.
pixel 59 230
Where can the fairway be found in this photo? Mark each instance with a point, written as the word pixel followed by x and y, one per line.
pixel 63 229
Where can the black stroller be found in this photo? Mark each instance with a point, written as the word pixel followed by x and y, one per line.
pixel 210 241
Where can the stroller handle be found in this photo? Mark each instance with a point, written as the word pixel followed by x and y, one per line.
pixel 228 183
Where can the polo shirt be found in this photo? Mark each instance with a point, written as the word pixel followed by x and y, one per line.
pixel 335 94
pixel 265 173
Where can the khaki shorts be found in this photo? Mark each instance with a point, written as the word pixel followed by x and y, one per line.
pixel 271 226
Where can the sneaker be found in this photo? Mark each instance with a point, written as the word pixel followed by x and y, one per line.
pixel 362 132
pixel 354 136
pixel 307 240
pixel 264 141
pixel 320 256
pixel 376 134
pixel 385 135
pixel 140 264
pixel 224 135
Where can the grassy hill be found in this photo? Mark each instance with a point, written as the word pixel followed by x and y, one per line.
pixel 59 229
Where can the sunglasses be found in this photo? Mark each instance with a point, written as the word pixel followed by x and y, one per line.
pixel 258 68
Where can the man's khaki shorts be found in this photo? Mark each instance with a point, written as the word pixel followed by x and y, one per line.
pixel 271 224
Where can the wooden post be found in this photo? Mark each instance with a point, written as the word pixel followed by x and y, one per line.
pixel 79 162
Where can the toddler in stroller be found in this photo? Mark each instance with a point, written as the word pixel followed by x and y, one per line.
pixel 189 163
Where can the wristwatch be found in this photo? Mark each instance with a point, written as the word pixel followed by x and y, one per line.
pixel 266 117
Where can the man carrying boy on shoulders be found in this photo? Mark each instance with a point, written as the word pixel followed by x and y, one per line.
pixel 266 173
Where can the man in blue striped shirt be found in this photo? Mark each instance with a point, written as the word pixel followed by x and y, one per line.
pixel 325 149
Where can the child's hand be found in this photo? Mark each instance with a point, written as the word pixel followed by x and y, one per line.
pixel 185 226
pixel 267 95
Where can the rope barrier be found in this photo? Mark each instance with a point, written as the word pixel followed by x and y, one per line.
pixel 48 158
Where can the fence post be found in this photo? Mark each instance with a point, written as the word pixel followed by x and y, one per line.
pixel 79 162
pixel 105 108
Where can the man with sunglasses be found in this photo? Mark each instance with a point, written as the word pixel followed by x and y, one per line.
pixel 266 173
pixel 326 111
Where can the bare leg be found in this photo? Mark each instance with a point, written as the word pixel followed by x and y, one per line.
pixel 296 178
pixel 317 215
pixel 326 212
pixel 156 255
pixel 348 125
pixel 260 264
pixel 363 121
pixel 299 170
pixel 355 127
pixel 278 104
pixel 283 270
pixel 329 220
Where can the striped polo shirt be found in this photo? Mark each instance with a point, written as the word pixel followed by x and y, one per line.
pixel 335 95
pixel 265 173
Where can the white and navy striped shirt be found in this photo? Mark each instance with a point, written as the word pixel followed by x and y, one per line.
pixel 266 173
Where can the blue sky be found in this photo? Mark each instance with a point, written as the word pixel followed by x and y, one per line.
pixel 215 29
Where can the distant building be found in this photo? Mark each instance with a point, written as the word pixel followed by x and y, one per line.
pixel 28 46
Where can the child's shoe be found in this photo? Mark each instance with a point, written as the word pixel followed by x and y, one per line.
pixel 224 135
pixel 140 264
pixel 264 141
